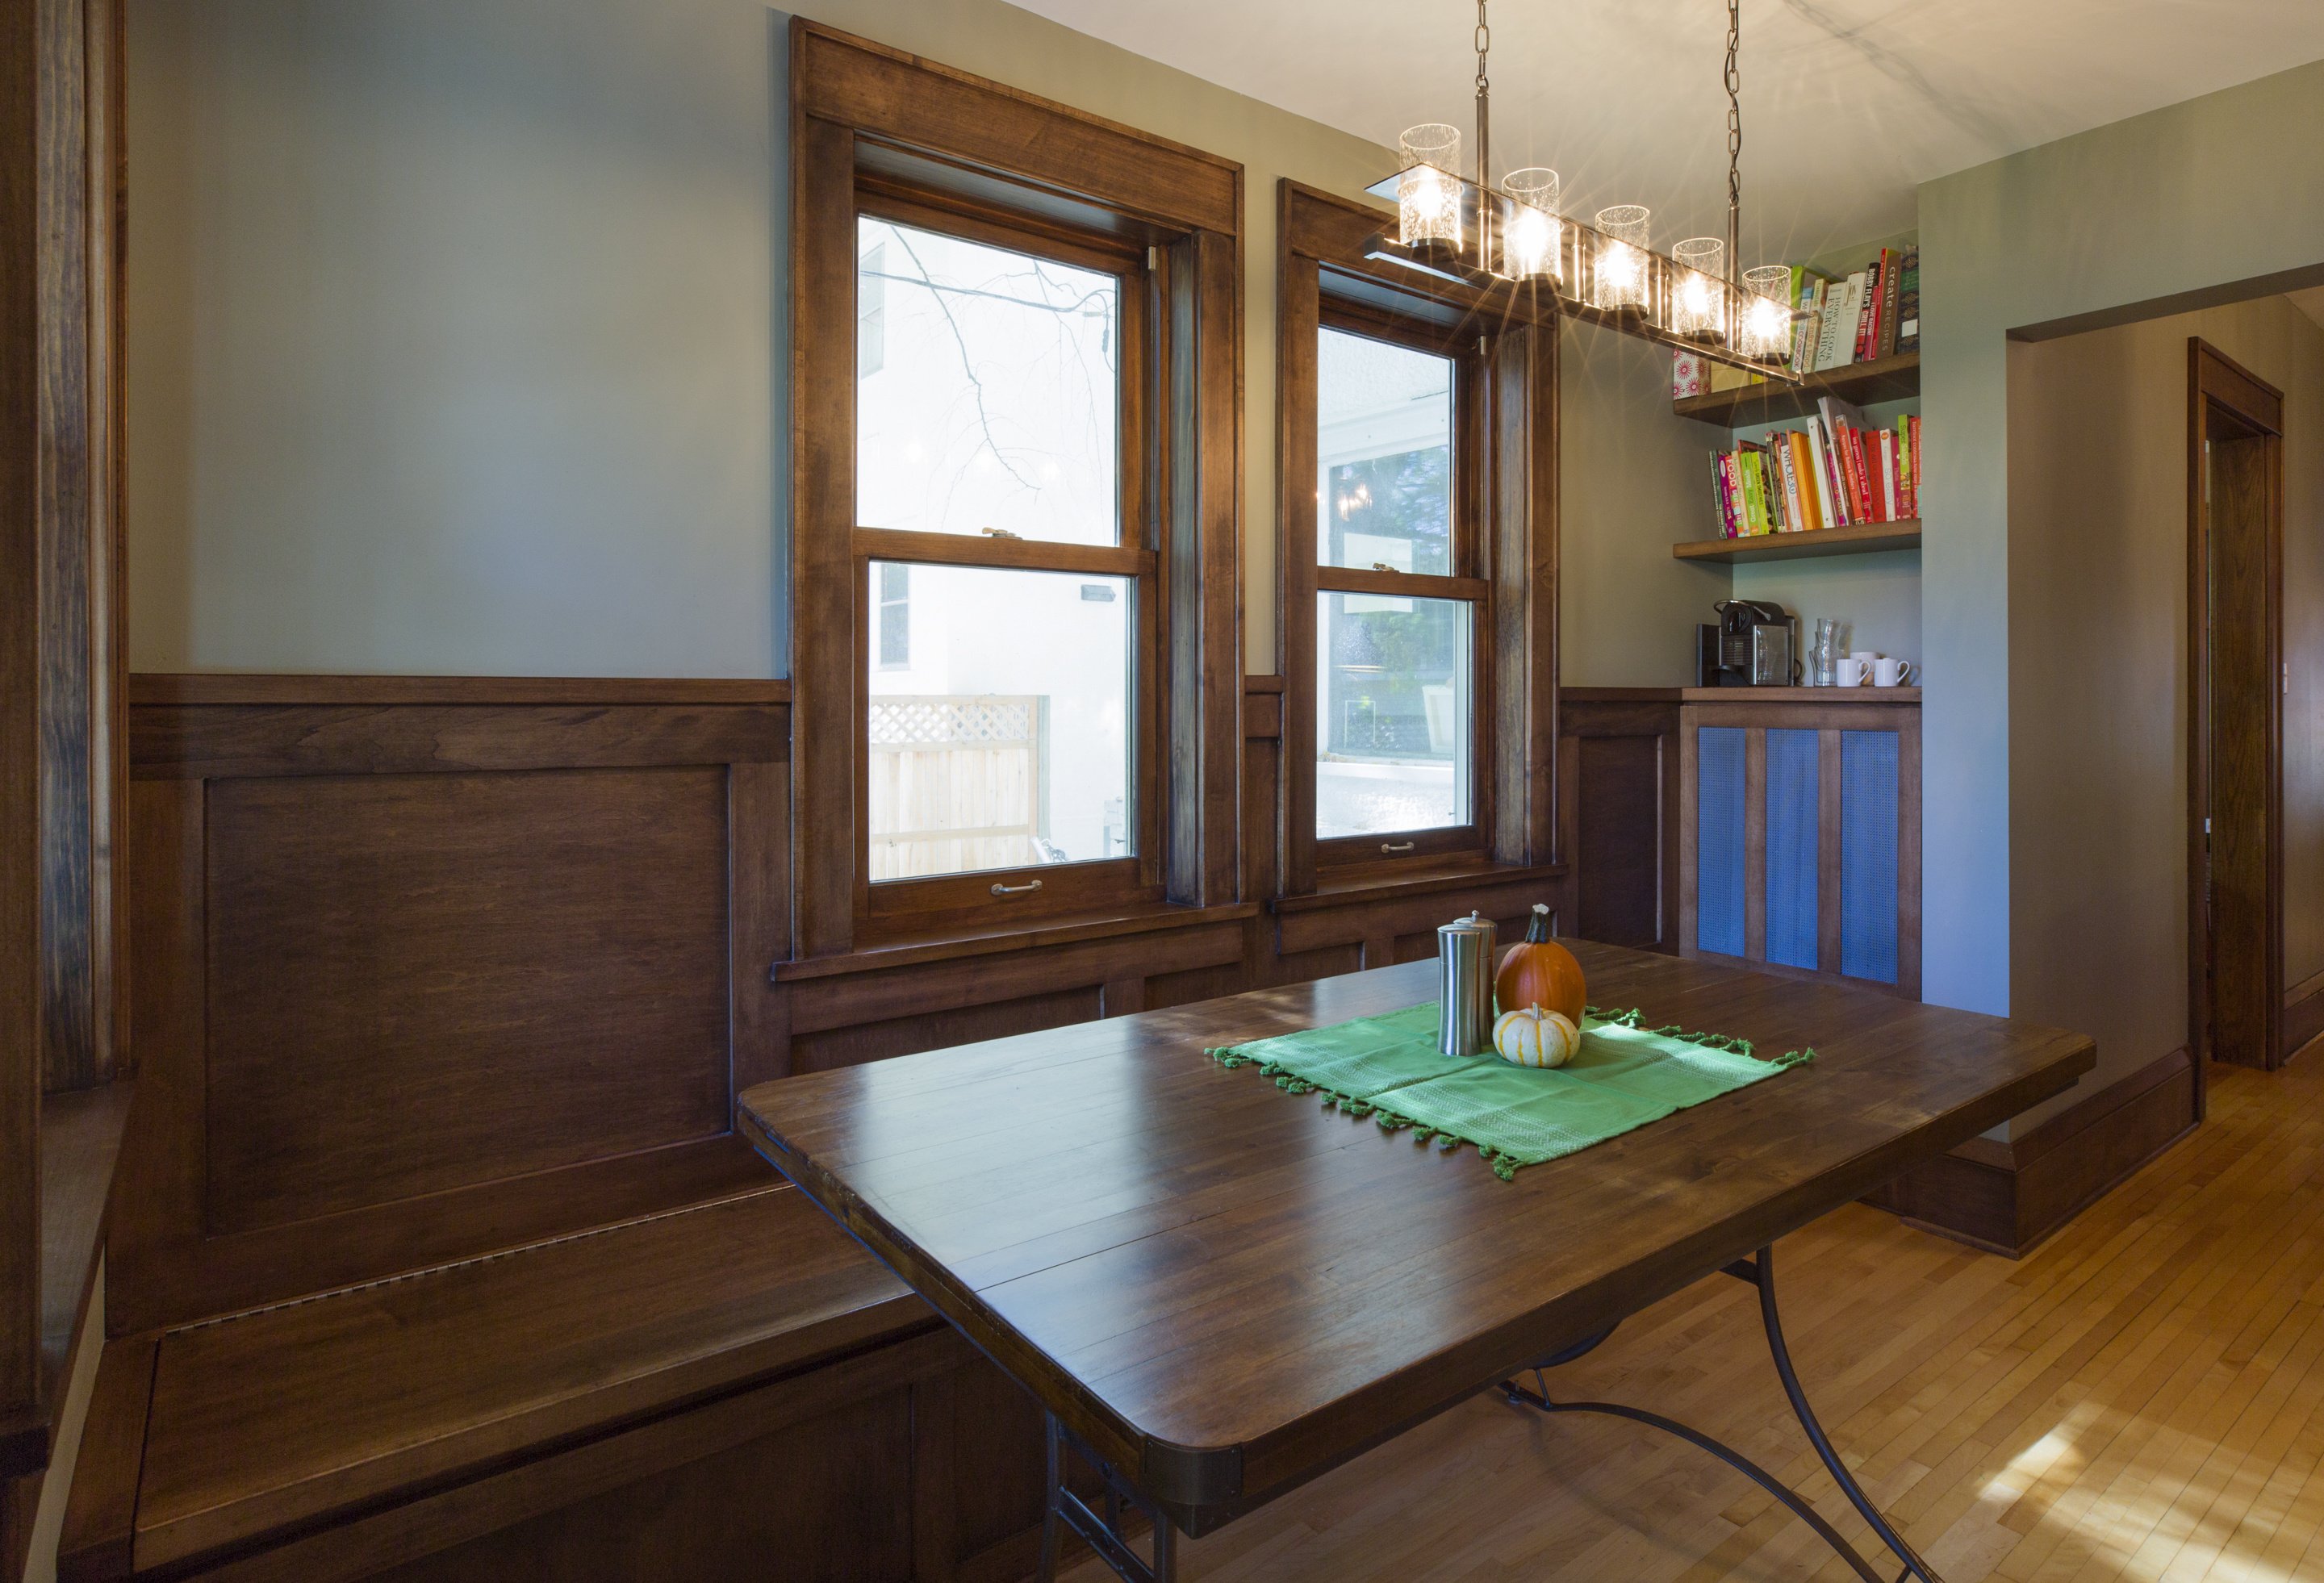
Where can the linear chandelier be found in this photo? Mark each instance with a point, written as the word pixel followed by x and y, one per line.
pixel 1485 234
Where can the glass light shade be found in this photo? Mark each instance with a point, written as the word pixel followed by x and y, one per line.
pixel 1765 330
pixel 1698 309
pixel 1622 275
pixel 1428 192
pixel 1532 238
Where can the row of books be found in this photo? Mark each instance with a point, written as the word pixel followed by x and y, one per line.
pixel 1831 472
pixel 1866 315
pixel 1873 313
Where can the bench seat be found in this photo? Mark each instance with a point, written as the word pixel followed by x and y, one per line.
pixel 333 1413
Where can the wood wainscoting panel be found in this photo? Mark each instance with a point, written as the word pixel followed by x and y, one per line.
pixel 1618 803
pixel 435 973
pixel 418 982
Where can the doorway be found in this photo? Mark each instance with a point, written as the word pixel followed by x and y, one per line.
pixel 2237 684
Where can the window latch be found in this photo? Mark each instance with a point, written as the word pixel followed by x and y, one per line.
pixel 1384 566
pixel 1396 846
pixel 999 533
pixel 1015 890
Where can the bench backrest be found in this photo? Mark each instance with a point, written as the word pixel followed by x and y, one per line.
pixel 426 969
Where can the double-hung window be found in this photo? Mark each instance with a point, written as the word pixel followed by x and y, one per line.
pixel 1418 511
pixel 1399 606
pixel 1015 592
pixel 1001 531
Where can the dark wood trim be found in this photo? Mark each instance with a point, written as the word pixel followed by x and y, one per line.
pixel 1350 889
pixel 148 689
pixel 97 1540
pixel 204 742
pixel 2222 394
pixel 22 652
pixel 904 99
pixel 1058 931
pixel 2010 1196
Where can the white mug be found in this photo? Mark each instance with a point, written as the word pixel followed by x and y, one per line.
pixel 1853 671
pixel 1892 673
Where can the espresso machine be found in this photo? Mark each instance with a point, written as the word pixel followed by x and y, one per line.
pixel 1753 644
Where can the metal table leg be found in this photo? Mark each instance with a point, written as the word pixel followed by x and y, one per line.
pixel 1759 1271
pixel 1102 1532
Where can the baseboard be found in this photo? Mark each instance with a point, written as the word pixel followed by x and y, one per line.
pixel 2303 1016
pixel 2009 1198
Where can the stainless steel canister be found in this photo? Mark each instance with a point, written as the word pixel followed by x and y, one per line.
pixel 1465 985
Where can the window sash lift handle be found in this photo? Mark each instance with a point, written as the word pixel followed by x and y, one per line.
pixel 999 889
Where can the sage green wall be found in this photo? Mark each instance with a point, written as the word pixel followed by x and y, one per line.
pixel 456 333
pixel 2220 189
pixel 1633 479
pixel 448 331
pixel 453 323
pixel 2097 650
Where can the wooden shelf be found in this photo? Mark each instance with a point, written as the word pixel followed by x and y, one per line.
pixel 1862 538
pixel 1887 379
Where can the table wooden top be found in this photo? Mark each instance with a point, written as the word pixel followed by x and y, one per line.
pixel 1227 1290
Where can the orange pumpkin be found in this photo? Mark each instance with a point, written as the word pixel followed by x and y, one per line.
pixel 1539 972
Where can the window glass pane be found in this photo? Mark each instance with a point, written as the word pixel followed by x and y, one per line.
pixel 1384 451
pixel 1004 740
pixel 987 389
pixel 895 616
pixel 1393 706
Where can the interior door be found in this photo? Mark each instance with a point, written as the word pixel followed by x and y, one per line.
pixel 2236 646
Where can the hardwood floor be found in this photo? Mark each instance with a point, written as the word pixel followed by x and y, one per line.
pixel 2143 1397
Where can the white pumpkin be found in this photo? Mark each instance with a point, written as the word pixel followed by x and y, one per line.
pixel 1532 1036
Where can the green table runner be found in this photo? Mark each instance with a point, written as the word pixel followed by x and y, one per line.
pixel 1625 1075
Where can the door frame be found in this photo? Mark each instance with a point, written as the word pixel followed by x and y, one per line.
pixel 2222 394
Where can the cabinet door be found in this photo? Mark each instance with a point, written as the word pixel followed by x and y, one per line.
pixel 1802 839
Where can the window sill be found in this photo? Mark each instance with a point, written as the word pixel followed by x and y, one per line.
pixel 1424 878
pixel 1063 931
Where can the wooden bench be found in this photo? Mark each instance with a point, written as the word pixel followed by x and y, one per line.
pixel 726 1386
pixel 385 1300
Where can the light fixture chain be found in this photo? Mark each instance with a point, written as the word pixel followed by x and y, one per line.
pixel 1484 42
pixel 1734 137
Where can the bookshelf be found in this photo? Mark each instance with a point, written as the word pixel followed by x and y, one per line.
pixel 1859 539
pixel 1886 379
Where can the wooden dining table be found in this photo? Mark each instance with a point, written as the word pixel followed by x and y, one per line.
pixel 1218 1290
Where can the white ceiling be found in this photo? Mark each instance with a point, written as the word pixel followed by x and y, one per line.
pixel 1847 103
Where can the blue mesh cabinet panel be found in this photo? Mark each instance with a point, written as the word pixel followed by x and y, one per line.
pixel 1868 854
pixel 1791 847
pixel 1718 839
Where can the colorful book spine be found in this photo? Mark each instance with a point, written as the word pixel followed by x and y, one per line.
pixel 1891 301
pixel 1867 318
pixel 1908 302
pixel 1719 494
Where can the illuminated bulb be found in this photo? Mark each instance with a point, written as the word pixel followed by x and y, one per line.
pixel 1531 243
pixel 1621 267
pixel 1428 195
pixel 1699 311
pixel 1529 246
pixel 1767 329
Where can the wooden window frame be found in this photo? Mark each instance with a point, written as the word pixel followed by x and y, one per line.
pixel 1505 345
pixel 1466 583
pixel 880 133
